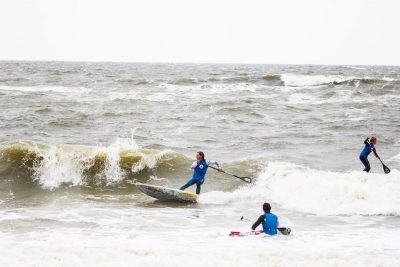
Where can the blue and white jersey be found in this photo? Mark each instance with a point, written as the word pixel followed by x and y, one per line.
pixel 270 224
pixel 200 169
pixel 367 150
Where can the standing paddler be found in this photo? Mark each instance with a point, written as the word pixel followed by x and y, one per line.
pixel 199 168
pixel 368 148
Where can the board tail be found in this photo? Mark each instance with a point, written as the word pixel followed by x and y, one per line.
pixel 233 233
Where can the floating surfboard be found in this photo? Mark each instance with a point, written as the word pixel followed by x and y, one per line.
pixel 234 233
pixel 167 194
pixel 282 230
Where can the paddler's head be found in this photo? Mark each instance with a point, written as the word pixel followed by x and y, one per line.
pixel 373 140
pixel 267 207
pixel 199 156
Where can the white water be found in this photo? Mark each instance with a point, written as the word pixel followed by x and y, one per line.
pixel 107 229
pixel 145 234
pixel 296 188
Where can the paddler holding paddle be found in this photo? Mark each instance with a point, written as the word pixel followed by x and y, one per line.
pixel 368 148
pixel 268 220
pixel 199 168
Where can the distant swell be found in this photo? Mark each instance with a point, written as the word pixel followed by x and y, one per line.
pixel 290 79
pixel 275 79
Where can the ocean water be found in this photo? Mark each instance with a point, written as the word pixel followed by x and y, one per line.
pixel 74 137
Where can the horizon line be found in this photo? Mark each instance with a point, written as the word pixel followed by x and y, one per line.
pixel 193 63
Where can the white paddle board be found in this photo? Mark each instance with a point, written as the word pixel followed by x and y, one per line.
pixel 167 194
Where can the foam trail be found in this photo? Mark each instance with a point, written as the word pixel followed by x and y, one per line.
pixel 53 89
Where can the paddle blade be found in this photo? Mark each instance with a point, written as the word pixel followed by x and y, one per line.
pixel 244 179
pixel 285 231
pixel 385 168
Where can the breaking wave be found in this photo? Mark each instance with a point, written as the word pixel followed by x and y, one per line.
pixel 51 166
pixel 302 189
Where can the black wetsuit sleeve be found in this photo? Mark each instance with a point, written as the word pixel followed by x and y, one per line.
pixel 366 141
pixel 258 222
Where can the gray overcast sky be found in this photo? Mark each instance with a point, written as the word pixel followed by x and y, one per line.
pixel 242 31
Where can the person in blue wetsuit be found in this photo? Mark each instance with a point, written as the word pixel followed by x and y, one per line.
pixel 199 167
pixel 268 220
pixel 369 147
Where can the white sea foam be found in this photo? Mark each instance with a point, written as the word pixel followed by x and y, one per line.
pixel 301 80
pixel 208 90
pixel 319 192
pixel 291 79
pixel 56 89
pixel 395 158
pixel 114 247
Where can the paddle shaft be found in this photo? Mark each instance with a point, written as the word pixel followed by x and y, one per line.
pixel 280 229
pixel 245 179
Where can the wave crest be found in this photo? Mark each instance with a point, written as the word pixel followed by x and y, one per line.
pixel 52 166
pixel 299 80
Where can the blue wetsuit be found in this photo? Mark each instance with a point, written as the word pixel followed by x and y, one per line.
pixel 199 173
pixel 269 223
pixel 364 155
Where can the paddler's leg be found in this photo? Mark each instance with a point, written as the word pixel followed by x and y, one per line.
pixel 189 183
pixel 365 161
pixel 198 188
pixel 198 184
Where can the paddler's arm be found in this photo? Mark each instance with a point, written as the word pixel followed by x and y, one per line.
pixel 366 142
pixel 376 154
pixel 194 164
pixel 258 222
pixel 216 164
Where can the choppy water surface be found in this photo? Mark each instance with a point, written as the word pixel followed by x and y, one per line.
pixel 74 136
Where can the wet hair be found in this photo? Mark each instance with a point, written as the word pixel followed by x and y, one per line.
pixel 201 154
pixel 373 138
pixel 266 207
